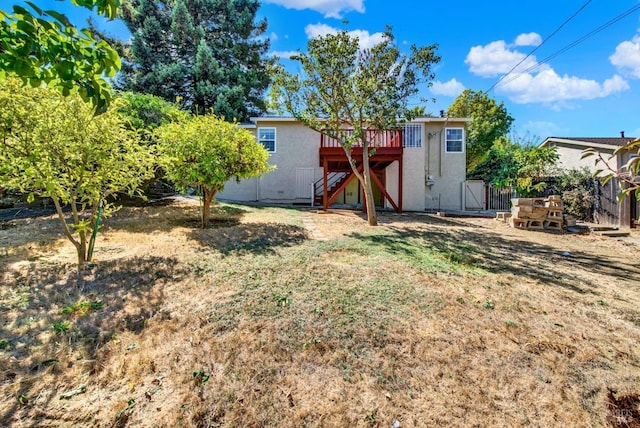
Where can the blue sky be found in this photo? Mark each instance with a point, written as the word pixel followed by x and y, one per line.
pixel 591 89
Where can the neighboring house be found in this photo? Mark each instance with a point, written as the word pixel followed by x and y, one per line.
pixel 419 167
pixel 608 212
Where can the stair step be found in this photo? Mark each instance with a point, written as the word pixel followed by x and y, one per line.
pixel 613 233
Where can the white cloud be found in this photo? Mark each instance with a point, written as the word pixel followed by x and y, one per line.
pixel 531 82
pixel 548 87
pixel 528 39
pixel 330 8
pixel 496 58
pixel 615 84
pixel 627 57
pixel 315 30
pixel 452 88
pixel 273 36
pixel 283 54
pixel 366 40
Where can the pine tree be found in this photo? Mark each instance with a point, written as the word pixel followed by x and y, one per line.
pixel 207 55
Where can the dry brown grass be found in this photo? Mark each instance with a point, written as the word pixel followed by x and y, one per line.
pixel 281 317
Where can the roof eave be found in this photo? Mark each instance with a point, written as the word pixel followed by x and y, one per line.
pixel 578 143
pixel 257 119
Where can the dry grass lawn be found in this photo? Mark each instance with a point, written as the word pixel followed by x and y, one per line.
pixel 292 318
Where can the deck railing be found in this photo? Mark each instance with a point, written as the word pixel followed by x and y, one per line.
pixel 376 139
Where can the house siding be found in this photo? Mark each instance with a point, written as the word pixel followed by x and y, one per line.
pixel 570 156
pixel 298 147
pixel 611 212
pixel 448 171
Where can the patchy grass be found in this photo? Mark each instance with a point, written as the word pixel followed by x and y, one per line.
pixel 251 322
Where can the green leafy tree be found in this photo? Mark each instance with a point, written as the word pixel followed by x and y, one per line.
pixel 147 112
pixel 206 152
pixel 208 55
pixel 489 121
pixel 56 147
pixel 44 47
pixel 343 87
pixel 519 166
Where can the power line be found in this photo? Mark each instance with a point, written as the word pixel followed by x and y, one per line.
pixel 540 45
pixel 571 45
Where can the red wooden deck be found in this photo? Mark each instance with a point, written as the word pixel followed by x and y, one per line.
pixel 385 148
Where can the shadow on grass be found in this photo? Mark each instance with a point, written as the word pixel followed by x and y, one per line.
pixel 488 251
pixel 250 238
pixel 149 219
pixel 45 229
pixel 53 312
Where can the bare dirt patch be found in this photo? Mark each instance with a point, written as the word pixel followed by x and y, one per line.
pixel 283 317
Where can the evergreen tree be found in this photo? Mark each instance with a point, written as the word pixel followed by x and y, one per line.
pixel 207 55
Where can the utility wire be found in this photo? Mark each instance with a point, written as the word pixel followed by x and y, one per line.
pixel 571 45
pixel 540 45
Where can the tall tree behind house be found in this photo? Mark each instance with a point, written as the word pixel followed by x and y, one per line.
pixel 207 55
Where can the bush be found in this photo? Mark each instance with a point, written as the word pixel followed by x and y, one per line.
pixel 577 187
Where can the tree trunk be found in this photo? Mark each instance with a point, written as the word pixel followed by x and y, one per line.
pixel 206 206
pixel 80 249
pixel 83 246
pixel 367 185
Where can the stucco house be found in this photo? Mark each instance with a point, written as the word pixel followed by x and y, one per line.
pixel 570 151
pixel 420 166
pixel 609 212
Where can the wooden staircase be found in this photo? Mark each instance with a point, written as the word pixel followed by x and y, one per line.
pixel 386 148
pixel 335 180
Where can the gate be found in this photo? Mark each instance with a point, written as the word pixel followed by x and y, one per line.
pixel 474 195
pixel 499 198
pixel 606 210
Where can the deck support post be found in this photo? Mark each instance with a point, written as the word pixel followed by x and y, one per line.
pixel 325 196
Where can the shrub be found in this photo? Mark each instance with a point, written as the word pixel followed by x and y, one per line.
pixel 577 187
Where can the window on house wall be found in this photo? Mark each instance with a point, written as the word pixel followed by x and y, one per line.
pixel 412 136
pixel 454 140
pixel 267 137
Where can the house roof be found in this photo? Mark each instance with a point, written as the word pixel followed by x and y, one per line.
pixel 416 120
pixel 596 142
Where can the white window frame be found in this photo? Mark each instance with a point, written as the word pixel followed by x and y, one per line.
pixel 446 141
pixel 413 127
pixel 274 137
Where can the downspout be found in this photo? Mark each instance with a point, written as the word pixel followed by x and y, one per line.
pixel 429 135
pixel 440 153
pixel 443 139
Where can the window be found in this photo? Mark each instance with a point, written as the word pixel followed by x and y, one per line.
pixel 455 140
pixel 412 135
pixel 267 137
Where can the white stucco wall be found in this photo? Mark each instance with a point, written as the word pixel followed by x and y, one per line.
pixel 297 147
pixel 448 170
pixel 569 156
